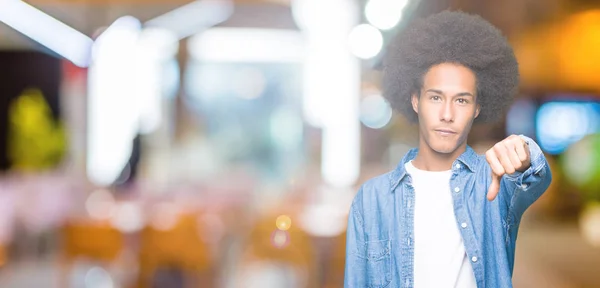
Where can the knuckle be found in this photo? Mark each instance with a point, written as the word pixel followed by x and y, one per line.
pixel 498 146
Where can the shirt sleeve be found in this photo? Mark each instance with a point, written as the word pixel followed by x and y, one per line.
pixel 526 187
pixel 355 267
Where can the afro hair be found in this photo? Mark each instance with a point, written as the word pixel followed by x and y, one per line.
pixel 451 37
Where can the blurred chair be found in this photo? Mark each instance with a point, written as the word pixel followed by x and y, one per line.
pixel 92 240
pixel 179 247
pixel 277 248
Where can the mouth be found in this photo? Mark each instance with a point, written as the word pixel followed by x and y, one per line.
pixel 445 132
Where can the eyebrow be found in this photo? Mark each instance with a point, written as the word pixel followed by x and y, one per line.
pixel 442 93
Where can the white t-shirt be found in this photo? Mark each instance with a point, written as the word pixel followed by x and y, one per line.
pixel 440 258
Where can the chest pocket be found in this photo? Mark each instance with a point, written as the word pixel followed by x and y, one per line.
pixel 379 263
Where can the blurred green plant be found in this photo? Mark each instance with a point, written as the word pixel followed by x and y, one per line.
pixel 35 140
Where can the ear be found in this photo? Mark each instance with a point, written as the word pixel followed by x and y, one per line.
pixel 477 111
pixel 414 99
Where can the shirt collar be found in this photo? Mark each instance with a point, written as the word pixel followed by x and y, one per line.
pixel 467 158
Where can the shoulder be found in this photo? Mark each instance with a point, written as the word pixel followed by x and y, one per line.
pixel 373 193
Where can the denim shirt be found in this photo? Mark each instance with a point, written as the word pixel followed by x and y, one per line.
pixel 380 234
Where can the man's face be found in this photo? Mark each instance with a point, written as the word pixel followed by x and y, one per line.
pixel 446 107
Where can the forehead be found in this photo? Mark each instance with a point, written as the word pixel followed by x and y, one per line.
pixel 449 77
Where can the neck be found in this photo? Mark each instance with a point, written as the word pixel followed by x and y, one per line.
pixel 430 160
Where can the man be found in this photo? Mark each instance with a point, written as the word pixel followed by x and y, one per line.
pixel 446 217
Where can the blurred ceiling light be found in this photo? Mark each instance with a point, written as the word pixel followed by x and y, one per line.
pixel 331 84
pixel 46 30
pixel 384 14
pixel 158 43
pixel 126 28
pixel 325 25
pixel 365 41
pixel 375 111
pixel 155 47
pixel 113 118
pixel 318 16
pixel 191 18
pixel 247 45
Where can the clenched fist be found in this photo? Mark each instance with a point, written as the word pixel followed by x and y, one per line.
pixel 506 157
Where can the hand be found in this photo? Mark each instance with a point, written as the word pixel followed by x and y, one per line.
pixel 506 157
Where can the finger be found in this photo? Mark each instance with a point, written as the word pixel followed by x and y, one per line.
pixel 522 150
pixel 494 162
pixel 513 155
pixel 502 153
pixel 494 188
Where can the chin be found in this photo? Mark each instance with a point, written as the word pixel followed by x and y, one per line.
pixel 444 147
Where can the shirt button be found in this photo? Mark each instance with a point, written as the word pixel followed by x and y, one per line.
pixel 463 225
pixel 456 189
pixel 474 259
pixel 457 166
pixel 524 186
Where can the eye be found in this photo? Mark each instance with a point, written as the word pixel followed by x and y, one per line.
pixel 435 98
pixel 462 101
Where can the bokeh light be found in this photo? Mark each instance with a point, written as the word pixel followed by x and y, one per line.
pixel 98 278
pixel 581 164
pixel 128 217
pixel 283 222
pixel 384 14
pixel 590 224
pixel 280 239
pixel 100 205
pixel 375 111
pixel 165 216
pixel 560 124
pixel 365 41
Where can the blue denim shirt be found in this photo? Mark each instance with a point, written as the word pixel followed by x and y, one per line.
pixel 380 235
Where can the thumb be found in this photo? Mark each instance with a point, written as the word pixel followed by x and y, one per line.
pixel 494 187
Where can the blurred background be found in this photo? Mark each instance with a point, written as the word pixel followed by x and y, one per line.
pixel 155 143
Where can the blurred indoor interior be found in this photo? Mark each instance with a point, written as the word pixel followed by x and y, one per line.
pixel 214 143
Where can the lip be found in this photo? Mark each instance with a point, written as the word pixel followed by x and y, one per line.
pixel 445 131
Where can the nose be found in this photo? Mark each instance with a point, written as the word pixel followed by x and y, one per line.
pixel 447 113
